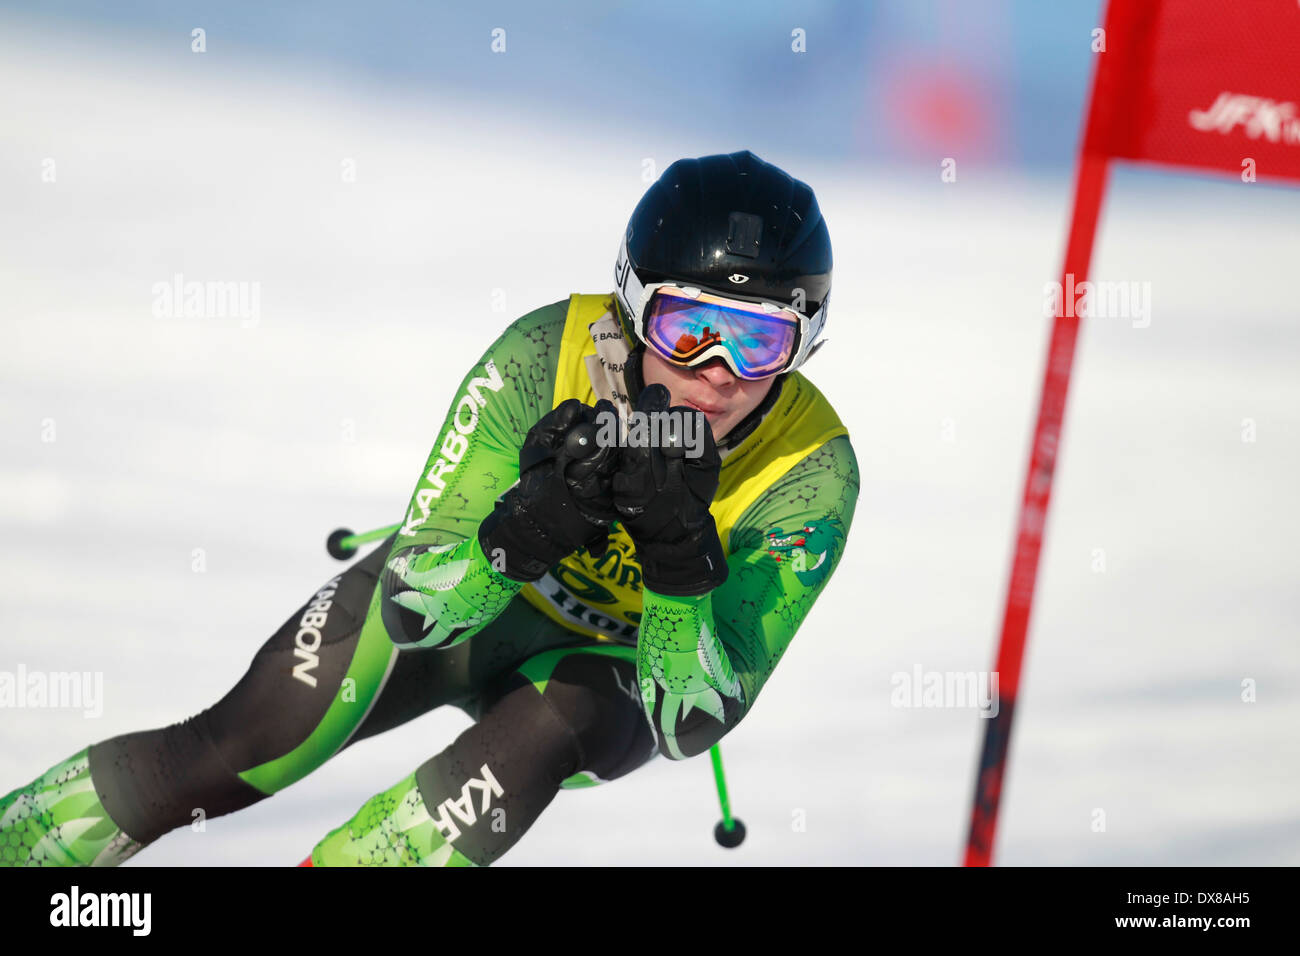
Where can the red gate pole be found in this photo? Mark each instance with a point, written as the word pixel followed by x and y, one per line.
pixel 1090 187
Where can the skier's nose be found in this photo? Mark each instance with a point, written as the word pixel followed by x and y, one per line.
pixel 717 374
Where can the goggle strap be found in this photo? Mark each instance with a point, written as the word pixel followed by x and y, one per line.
pixel 813 351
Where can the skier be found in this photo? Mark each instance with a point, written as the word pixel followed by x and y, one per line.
pixel 588 596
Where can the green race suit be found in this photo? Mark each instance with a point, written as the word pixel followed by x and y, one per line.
pixel 783 509
pixel 571 681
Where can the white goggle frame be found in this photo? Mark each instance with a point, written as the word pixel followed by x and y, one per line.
pixel 634 297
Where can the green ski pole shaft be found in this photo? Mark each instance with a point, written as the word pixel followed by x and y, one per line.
pixel 343 542
pixel 729 832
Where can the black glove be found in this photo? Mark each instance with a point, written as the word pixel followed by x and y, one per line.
pixel 563 500
pixel 663 501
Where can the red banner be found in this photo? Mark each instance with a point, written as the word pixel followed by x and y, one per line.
pixel 1204 83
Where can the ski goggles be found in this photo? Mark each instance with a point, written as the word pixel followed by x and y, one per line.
pixel 688 326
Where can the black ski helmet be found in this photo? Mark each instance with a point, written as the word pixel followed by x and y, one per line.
pixel 733 225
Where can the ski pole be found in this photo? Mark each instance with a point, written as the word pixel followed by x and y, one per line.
pixel 730 831
pixel 343 542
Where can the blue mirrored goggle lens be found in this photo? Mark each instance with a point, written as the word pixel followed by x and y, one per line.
pixel 682 329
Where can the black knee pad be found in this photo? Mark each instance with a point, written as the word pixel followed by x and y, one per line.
pixel 153 781
pixel 597 697
pixel 486 789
